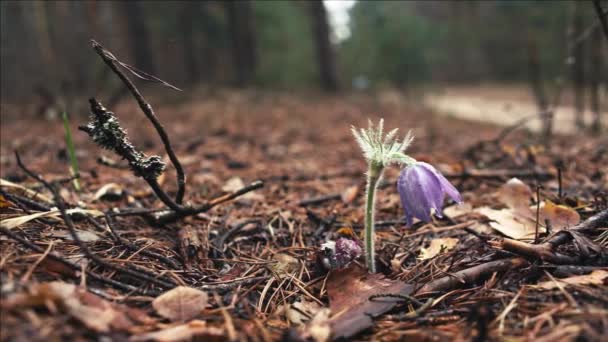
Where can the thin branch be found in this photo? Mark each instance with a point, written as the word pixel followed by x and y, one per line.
pixel 72 229
pixel 602 16
pixel 146 108
pixel 73 266
pixel 176 215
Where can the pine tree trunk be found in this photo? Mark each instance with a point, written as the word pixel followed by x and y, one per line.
pixel 325 54
pixel 578 67
pixel 596 76
pixel 241 23
pixel 139 37
pixel 188 15
pixel 538 91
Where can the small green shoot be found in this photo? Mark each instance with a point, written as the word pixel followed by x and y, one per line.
pixel 71 151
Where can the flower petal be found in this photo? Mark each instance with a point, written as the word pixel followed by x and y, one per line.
pixel 447 187
pixel 420 190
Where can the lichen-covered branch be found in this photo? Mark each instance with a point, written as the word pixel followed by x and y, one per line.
pixel 105 130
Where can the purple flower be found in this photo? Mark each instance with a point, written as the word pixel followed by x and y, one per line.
pixel 422 188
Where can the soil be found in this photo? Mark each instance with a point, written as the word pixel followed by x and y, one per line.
pixel 301 147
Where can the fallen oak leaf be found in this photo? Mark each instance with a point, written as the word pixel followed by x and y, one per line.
pixel 509 223
pixel 436 247
pixel 349 292
pixel 181 303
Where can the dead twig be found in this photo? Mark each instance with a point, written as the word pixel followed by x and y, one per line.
pixel 72 229
pixel 146 108
pixel 545 251
pixel 77 268
pixel 472 275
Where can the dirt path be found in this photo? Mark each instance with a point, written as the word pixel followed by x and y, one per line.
pixel 501 106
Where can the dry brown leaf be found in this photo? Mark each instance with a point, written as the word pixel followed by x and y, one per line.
pixel 236 183
pixel 509 223
pixel 83 235
pixel 515 194
pixel 30 193
pixel 110 192
pixel 302 311
pixel 597 277
pixel 93 311
pixel 458 210
pixel 349 291
pixel 436 247
pixel 181 303
pixel 318 329
pixel 560 216
pixel 183 332
pixel 233 184
pixel 54 214
pixel 349 194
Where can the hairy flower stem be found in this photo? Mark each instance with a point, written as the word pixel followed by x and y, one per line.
pixel 373 177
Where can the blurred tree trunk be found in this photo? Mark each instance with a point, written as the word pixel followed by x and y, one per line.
pixel 578 66
pixel 190 13
pixel 596 76
pixel 325 54
pixel 242 31
pixel 538 91
pixel 139 36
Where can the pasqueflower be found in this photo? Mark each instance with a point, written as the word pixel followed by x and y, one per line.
pixel 422 188
pixel 380 150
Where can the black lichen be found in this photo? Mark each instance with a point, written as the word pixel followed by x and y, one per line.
pixel 105 130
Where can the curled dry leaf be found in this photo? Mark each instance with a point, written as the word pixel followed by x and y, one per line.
pixel 559 216
pixel 436 247
pixel 181 303
pixel 109 192
pixel 94 312
pixel 183 332
pixel 509 223
pixel 597 277
pixel 25 191
pixel 515 194
pixel 302 311
pixel 349 292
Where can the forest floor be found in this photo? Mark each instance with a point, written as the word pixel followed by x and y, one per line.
pixel 251 269
pixel 505 105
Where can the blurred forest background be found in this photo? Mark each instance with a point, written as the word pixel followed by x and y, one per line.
pixel 297 44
